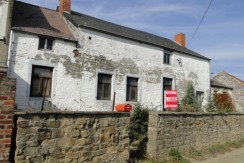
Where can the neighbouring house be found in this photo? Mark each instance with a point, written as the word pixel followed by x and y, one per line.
pixel 237 85
pixel 5 22
pixel 222 96
pixel 217 87
pixel 82 63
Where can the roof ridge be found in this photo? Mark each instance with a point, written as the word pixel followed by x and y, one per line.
pixel 236 78
pixel 91 22
pixel 36 6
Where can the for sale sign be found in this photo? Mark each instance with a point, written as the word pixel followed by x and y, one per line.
pixel 170 99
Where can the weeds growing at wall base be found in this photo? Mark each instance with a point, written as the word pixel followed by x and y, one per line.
pixel 214 150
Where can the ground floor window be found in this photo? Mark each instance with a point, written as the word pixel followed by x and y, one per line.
pixel 167 85
pixel 199 97
pixel 132 89
pixel 41 81
pixel 104 87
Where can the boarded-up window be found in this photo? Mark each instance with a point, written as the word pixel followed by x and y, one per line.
pixel 41 81
pixel 104 87
pixel 131 89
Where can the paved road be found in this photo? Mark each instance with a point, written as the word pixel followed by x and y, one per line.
pixel 235 156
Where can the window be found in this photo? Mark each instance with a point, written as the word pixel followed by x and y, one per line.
pixel 104 87
pixel 41 81
pixel 167 58
pixel 131 89
pixel 199 97
pixel 167 85
pixel 45 43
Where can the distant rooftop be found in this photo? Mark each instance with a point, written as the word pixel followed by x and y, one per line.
pixel 214 83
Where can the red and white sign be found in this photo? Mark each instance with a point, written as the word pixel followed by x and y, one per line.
pixel 170 99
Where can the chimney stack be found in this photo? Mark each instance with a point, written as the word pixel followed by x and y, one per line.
pixel 181 39
pixel 64 6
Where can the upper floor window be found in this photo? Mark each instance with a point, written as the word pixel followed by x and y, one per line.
pixel 41 81
pixel 45 43
pixel 132 89
pixel 104 87
pixel 167 57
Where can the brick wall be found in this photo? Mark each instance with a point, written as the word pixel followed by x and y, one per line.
pixel 185 130
pixel 72 137
pixel 7 100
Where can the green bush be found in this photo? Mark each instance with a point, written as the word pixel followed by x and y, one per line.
pixel 138 132
pixel 138 122
pixel 175 154
pixel 188 102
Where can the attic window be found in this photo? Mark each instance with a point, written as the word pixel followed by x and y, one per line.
pixel 45 43
pixel 167 57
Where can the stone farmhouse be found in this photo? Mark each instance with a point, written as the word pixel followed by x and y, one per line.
pixel 71 61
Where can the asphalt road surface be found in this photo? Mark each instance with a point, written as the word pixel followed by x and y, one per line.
pixel 235 156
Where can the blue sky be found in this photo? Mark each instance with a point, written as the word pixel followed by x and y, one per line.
pixel 220 37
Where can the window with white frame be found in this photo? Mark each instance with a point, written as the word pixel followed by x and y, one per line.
pixel 41 81
pixel 104 84
pixel 132 89
pixel 45 43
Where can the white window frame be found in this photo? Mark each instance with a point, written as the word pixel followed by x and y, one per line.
pixel 162 84
pixel 54 78
pixel 112 84
pixel 137 95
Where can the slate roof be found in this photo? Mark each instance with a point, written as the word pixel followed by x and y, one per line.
pixel 34 19
pixel 214 83
pixel 85 21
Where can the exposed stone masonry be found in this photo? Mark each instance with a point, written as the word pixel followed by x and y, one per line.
pixel 72 137
pixel 185 130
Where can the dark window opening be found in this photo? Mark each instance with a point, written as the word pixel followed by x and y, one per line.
pixel 104 87
pixel 199 98
pixel 41 81
pixel 132 89
pixel 45 43
pixel 166 58
pixel 167 85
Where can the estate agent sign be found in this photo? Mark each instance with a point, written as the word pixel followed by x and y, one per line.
pixel 170 100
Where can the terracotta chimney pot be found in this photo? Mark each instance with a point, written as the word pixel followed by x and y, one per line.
pixel 64 6
pixel 181 39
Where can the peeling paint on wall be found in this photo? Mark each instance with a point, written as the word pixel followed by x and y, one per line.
pixel 154 75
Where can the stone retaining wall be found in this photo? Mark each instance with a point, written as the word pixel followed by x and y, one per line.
pixel 185 130
pixel 72 137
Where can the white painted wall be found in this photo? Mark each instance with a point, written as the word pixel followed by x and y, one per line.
pixel 77 88
pixel 3 18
